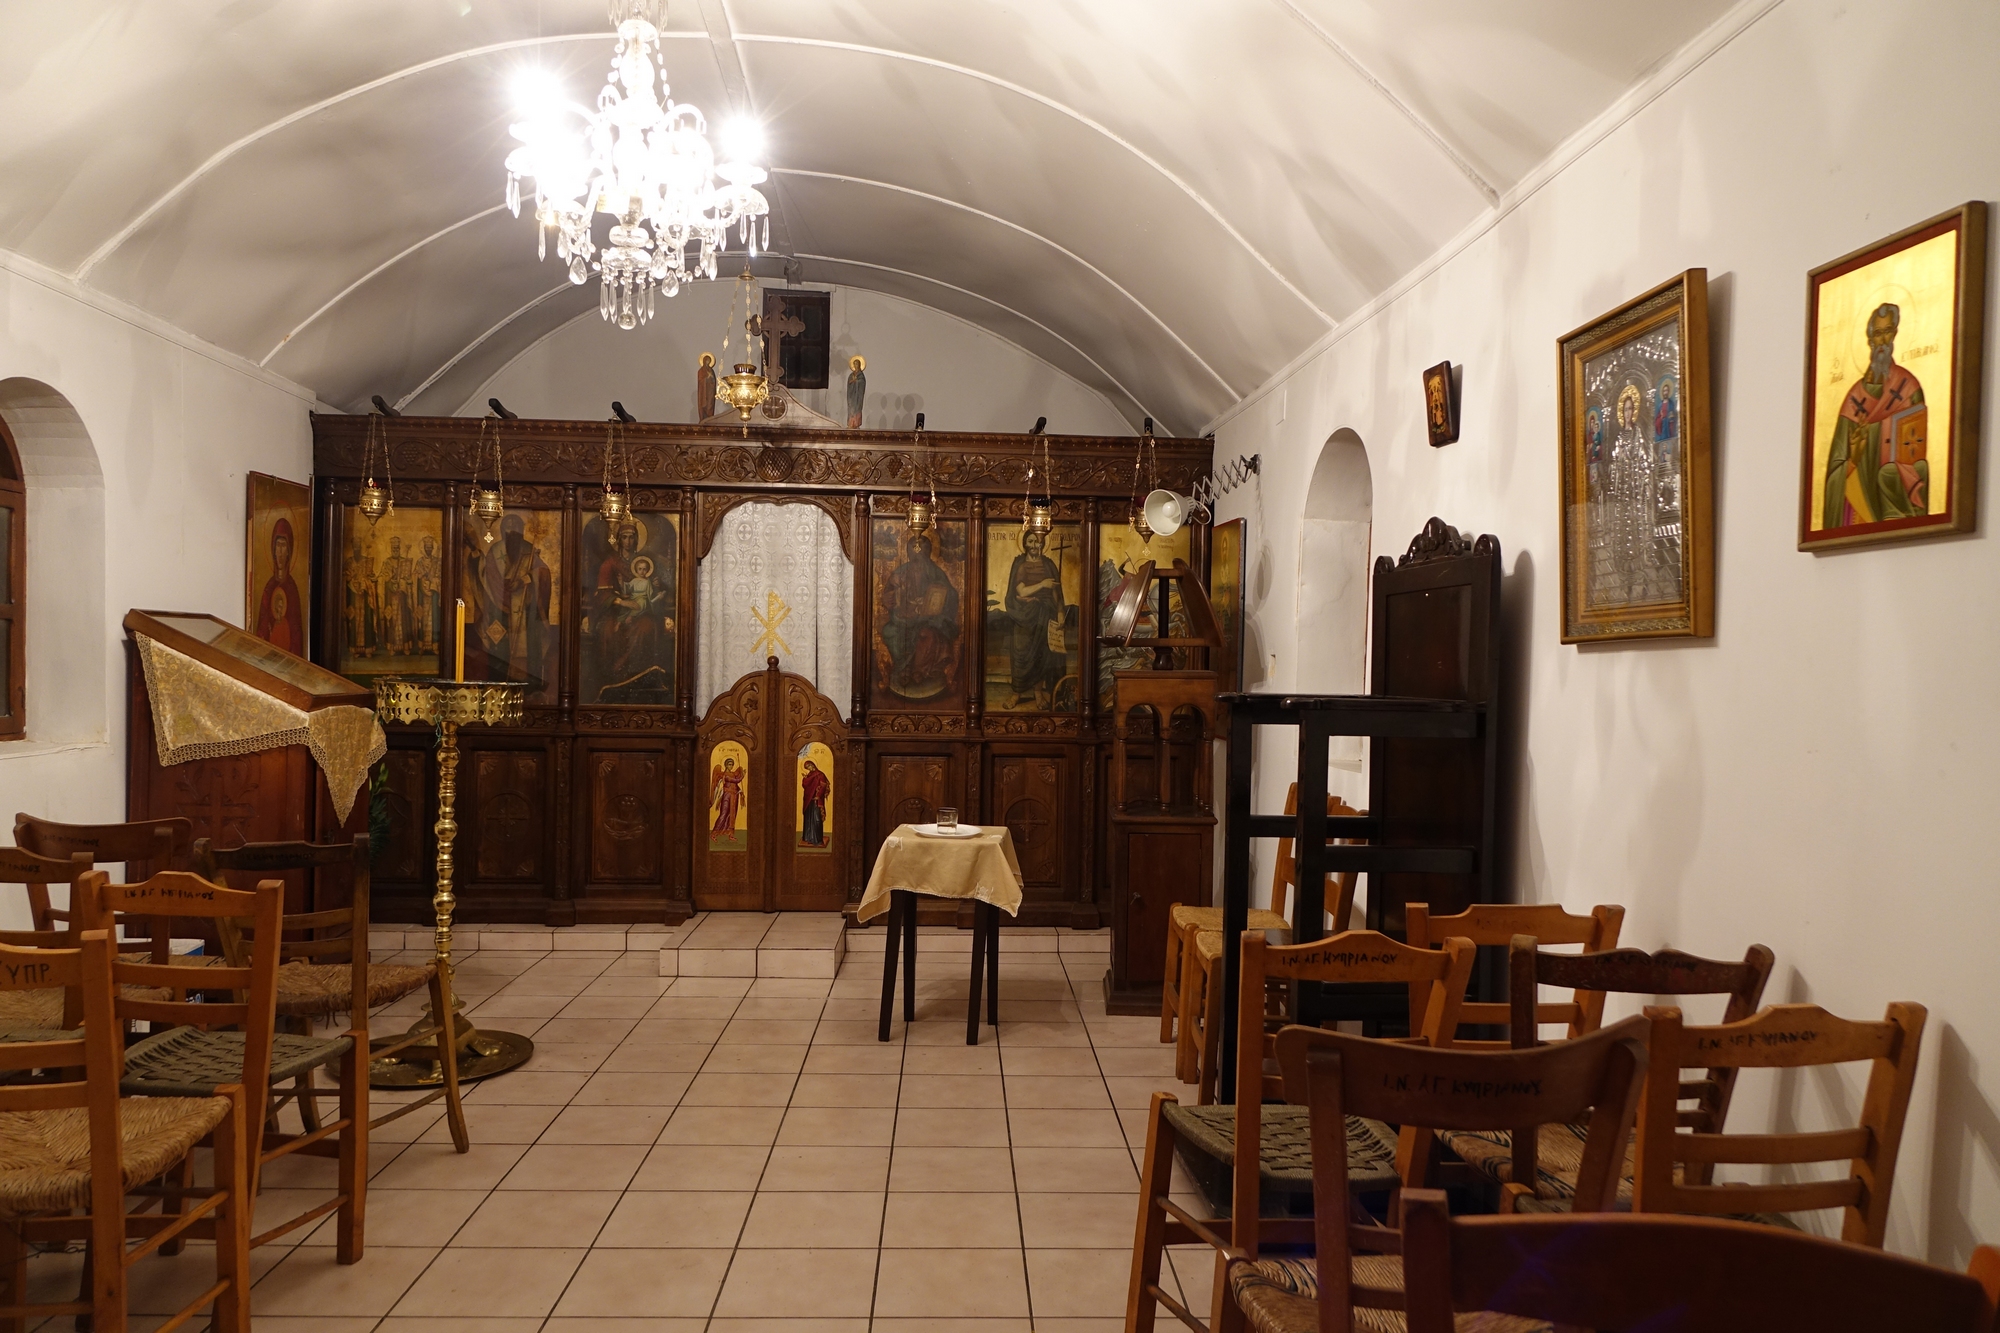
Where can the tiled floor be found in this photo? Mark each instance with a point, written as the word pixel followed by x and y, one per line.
pixel 740 1155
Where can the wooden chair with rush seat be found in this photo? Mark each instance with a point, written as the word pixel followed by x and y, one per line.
pixel 212 1044
pixel 329 973
pixel 25 1014
pixel 71 1152
pixel 1675 1275
pixel 1495 925
pixel 1676 1159
pixel 1282 1169
pixel 1553 1156
pixel 1353 1279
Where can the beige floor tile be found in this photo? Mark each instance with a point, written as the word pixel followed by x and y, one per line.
pixel 647 986
pixel 407 1129
pixel 951 1127
pixel 951 1284
pixel 563 1166
pixel 790 988
pixel 442 1324
pixel 527 1087
pixel 608 1031
pixel 329 1324
pixel 1194 1269
pixel 407 1218
pixel 162 1286
pixel 1072 1061
pixel 1078 1221
pixel 1125 1031
pixel 1136 1093
pixel 944 1027
pixel 435 1166
pixel 801 1220
pixel 951 1170
pixel 496 1124
pixel 780 1008
pixel 1041 1092
pixel 852 1009
pixel 768 1032
pixel 832 1126
pixel 655 1058
pixel 646 1283
pixel 674 1005
pixel 676 1167
pixel 570 1057
pixel 819 1169
pixel 797 1283
pixel 608 1006
pixel 723 1124
pixel 633 1325
pixel 776 1326
pixel 634 1088
pixel 739 1089
pixel 676 1219
pixel 1046 1034
pixel 1075 1170
pixel 953 1326
pixel 755 1060
pixel 608 1124
pixel 683 1031
pixel 1067 1129
pixel 951 1090
pixel 878 1058
pixel 1079 1283
pixel 520 1219
pixel 960 1059
pixel 1039 1011
pixel 846 1090
pixel 509 1005
pixel 951 1221
pixel 543 983
pixel 1126 1062
pixel 310 1282
pixel 731 986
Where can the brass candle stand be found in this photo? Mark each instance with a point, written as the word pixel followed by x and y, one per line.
pixel 449 705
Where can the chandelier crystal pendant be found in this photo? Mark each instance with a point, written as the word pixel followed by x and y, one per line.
pixel 645 160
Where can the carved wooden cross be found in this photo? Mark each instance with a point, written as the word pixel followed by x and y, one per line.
pixel 776 330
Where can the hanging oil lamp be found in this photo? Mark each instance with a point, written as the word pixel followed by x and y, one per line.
pixel 1140 527
pixel 375 500
pixel 615 506
pixel 923 511
pixel 486 508
pixel 1038 512
pixel 745 389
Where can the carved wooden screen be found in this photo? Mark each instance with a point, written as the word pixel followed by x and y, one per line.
pixel 782 803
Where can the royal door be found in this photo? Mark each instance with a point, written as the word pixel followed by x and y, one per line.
pixel 783 807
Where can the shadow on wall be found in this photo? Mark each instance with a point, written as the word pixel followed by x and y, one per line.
pixel 1333 584
pixel 67 635
pixel 1520 846
pixel 1965 1138
pixel 894 411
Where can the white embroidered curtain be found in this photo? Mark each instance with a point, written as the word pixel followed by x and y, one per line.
pixel 775 583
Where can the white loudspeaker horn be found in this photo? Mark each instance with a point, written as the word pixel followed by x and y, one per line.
pixel 1166 512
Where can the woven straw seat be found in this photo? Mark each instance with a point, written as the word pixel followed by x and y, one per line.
pixel 1186 917
pixel 1282 1296
pixel 1284 1158
pixel 320 990
pixel 1558 1155
pixel 187 1062
pixel 31 1009
pixel 45 1155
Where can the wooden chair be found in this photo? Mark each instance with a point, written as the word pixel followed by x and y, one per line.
pixel 1184 920
pixel 1596 1079
pixel 1494 925
pixel 202 1051
pixel 1282 1170
pixel 151 844
pixel 1676 1159
pixel 1200 993
pixel 1555 1153
pixel 328 972
pixel 27 1014
pixel 77 1146
pixel 1676 1275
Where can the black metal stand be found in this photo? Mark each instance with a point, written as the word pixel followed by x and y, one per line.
pixel 902 925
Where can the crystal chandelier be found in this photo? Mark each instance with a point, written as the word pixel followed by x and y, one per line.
pixel 645 160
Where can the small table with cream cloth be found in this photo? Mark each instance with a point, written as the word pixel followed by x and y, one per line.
pixel 981 867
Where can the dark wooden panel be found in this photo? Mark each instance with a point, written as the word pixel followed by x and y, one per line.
pixel 627 791
pixel 505 823
pixel 407 851
pixel 909 788
pixel 1162 866
pixel 1029 796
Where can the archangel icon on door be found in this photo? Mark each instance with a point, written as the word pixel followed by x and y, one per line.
pixel 728 798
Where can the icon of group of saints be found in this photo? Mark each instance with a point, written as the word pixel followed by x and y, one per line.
pixel 392 605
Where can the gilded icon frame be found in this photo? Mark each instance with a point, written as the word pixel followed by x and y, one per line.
pixel 1679 601
pixel 1965 345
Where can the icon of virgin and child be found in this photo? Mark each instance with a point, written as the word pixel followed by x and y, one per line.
pixel 628 633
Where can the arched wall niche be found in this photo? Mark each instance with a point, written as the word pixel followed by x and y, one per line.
pixel 1333 591
pixel 67 633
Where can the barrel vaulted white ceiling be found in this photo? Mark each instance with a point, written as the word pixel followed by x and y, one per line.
pixel 1167 199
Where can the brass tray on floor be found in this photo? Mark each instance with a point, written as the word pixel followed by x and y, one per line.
pixel 486 1054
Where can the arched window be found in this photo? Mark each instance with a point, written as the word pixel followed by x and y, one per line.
pixel 13 591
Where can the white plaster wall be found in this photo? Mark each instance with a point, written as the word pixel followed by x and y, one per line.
pixel 919 360
pixel 172 426
pixel 1820 776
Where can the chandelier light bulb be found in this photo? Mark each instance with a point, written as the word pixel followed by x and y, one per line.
pixel 645 160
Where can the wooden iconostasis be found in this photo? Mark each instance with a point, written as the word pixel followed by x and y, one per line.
pixel 977 681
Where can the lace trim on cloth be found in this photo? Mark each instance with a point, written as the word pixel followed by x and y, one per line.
pixel 200 713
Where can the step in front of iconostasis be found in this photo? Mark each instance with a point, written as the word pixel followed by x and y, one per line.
pixel 756 944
